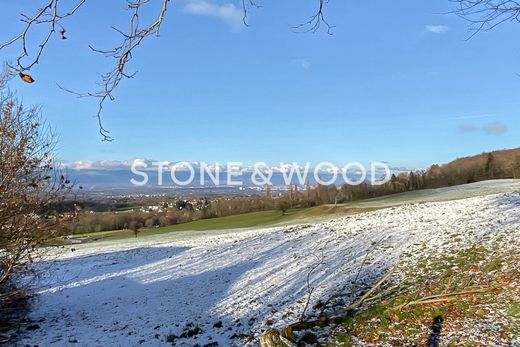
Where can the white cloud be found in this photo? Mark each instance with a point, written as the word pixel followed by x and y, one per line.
pixel 437 29
pixel 101 164
pixel 227 12
pixel 303 63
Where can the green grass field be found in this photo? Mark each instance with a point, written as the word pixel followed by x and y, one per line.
pixel 241 221
pixel 246 220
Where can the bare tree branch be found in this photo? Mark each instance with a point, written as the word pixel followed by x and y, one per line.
pixel 246 7
pixel 122 54
pixel 485 15
pixel 315 21
pixel 49 17
pixel 49 21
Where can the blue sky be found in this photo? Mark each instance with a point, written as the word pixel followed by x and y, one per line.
pixel 396 82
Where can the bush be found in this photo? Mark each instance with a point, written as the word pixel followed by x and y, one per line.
pixel 29 185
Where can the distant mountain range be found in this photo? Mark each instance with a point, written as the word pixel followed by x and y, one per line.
pixel 114 177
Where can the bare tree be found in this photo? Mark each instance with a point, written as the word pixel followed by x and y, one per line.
pixel 49 21
pixel 29 185
pixel 135 226
pixel 516 167
pixel 282 205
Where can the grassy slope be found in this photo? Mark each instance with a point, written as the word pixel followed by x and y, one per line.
pixel 246 220
pixel 231 222
pixel 293 216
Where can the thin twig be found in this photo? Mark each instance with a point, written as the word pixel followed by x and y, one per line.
pixel 315 21
pixel 440 297
pixel 310 289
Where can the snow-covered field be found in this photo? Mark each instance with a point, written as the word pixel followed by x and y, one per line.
pixel 462 191
pixel 228 288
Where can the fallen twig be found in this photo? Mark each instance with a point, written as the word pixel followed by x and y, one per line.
pixel 365 296
pixel 275 337
pixel 440 297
